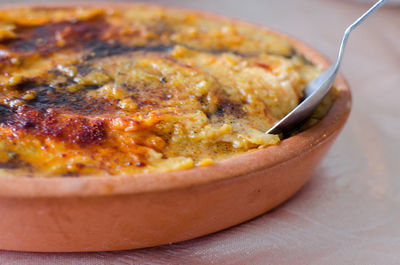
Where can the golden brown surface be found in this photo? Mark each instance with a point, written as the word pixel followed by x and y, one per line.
pixel 128 90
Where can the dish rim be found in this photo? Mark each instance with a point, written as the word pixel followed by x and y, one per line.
pixel 225 170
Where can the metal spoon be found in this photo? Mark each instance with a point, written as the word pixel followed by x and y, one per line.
pixel 320 86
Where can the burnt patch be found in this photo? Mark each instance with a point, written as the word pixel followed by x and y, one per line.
pixel 73 103
pixel 10 164
pixel 58 99
pixel 26 84
pixel 14 162
pixel 83 131
pixel 58 113
pixel 102 49
pixel 91 87
pixel 83 68
pixel 75 130
pixel 6 114
pixel 225 106
pixel 152 96
pixel 53 36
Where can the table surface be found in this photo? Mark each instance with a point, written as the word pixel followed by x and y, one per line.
pixel 349 212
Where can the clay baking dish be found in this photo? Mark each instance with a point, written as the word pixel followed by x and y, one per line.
pixel 117 213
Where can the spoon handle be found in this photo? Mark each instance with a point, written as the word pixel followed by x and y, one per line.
pixel 330 74
pixel 353 26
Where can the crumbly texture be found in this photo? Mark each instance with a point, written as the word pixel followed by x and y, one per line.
pixel 127 90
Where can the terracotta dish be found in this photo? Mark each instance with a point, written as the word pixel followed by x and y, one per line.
pixel 103 213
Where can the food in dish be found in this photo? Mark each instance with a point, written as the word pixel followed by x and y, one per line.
pixel 119 91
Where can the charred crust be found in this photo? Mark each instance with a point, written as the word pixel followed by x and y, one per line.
pixel 26 84
pixel 73 103
pixel 54 36
pixel 83 68
pixel 14 162
pixel 225 106
pixel 87 132
pixel 75 130
pixel 6 114
pixel 91 87
pixel 10 164
pixel 102 49
pixel 40 117
pixel 77 102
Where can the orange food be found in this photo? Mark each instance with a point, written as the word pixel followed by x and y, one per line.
pixel 88 91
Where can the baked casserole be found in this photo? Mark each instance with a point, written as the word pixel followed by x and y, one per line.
pixel 120 91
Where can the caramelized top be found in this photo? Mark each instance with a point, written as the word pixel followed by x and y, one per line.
pixel 89 91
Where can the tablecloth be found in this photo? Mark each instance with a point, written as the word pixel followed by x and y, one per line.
pixel 349 212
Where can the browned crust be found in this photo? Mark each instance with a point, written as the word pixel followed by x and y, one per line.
pixel 235 167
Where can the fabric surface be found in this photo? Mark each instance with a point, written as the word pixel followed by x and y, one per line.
pixel 349 212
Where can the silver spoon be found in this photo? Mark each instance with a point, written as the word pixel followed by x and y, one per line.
pixel 316 90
